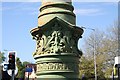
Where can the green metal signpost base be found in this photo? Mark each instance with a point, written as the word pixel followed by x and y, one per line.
pixel 57 55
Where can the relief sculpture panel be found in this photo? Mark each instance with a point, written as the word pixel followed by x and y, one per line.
pixel 57 40
pixel 55 67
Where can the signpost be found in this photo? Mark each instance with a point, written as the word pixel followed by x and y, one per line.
pixel 5 66
pixel 28 70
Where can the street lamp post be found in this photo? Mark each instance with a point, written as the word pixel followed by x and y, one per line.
pixel 94 53
pixel 95 56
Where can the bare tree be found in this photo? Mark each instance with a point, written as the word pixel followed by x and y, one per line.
pixel 106 48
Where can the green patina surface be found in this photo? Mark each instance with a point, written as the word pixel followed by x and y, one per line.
pixel 57 55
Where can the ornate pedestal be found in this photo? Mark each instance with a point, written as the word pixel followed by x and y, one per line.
pixel 57 55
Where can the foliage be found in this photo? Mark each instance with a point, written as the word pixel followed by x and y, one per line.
pixel 105 46
pixel 25 63
pixel 2 58
pixel 21 68
pixel 87 68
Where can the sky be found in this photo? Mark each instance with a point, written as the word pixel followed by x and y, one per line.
pixel 18 18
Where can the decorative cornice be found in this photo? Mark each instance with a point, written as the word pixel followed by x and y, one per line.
pixel 41 29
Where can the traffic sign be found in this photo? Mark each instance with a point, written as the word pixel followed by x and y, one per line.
pixel 5 66
pixel 28 70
